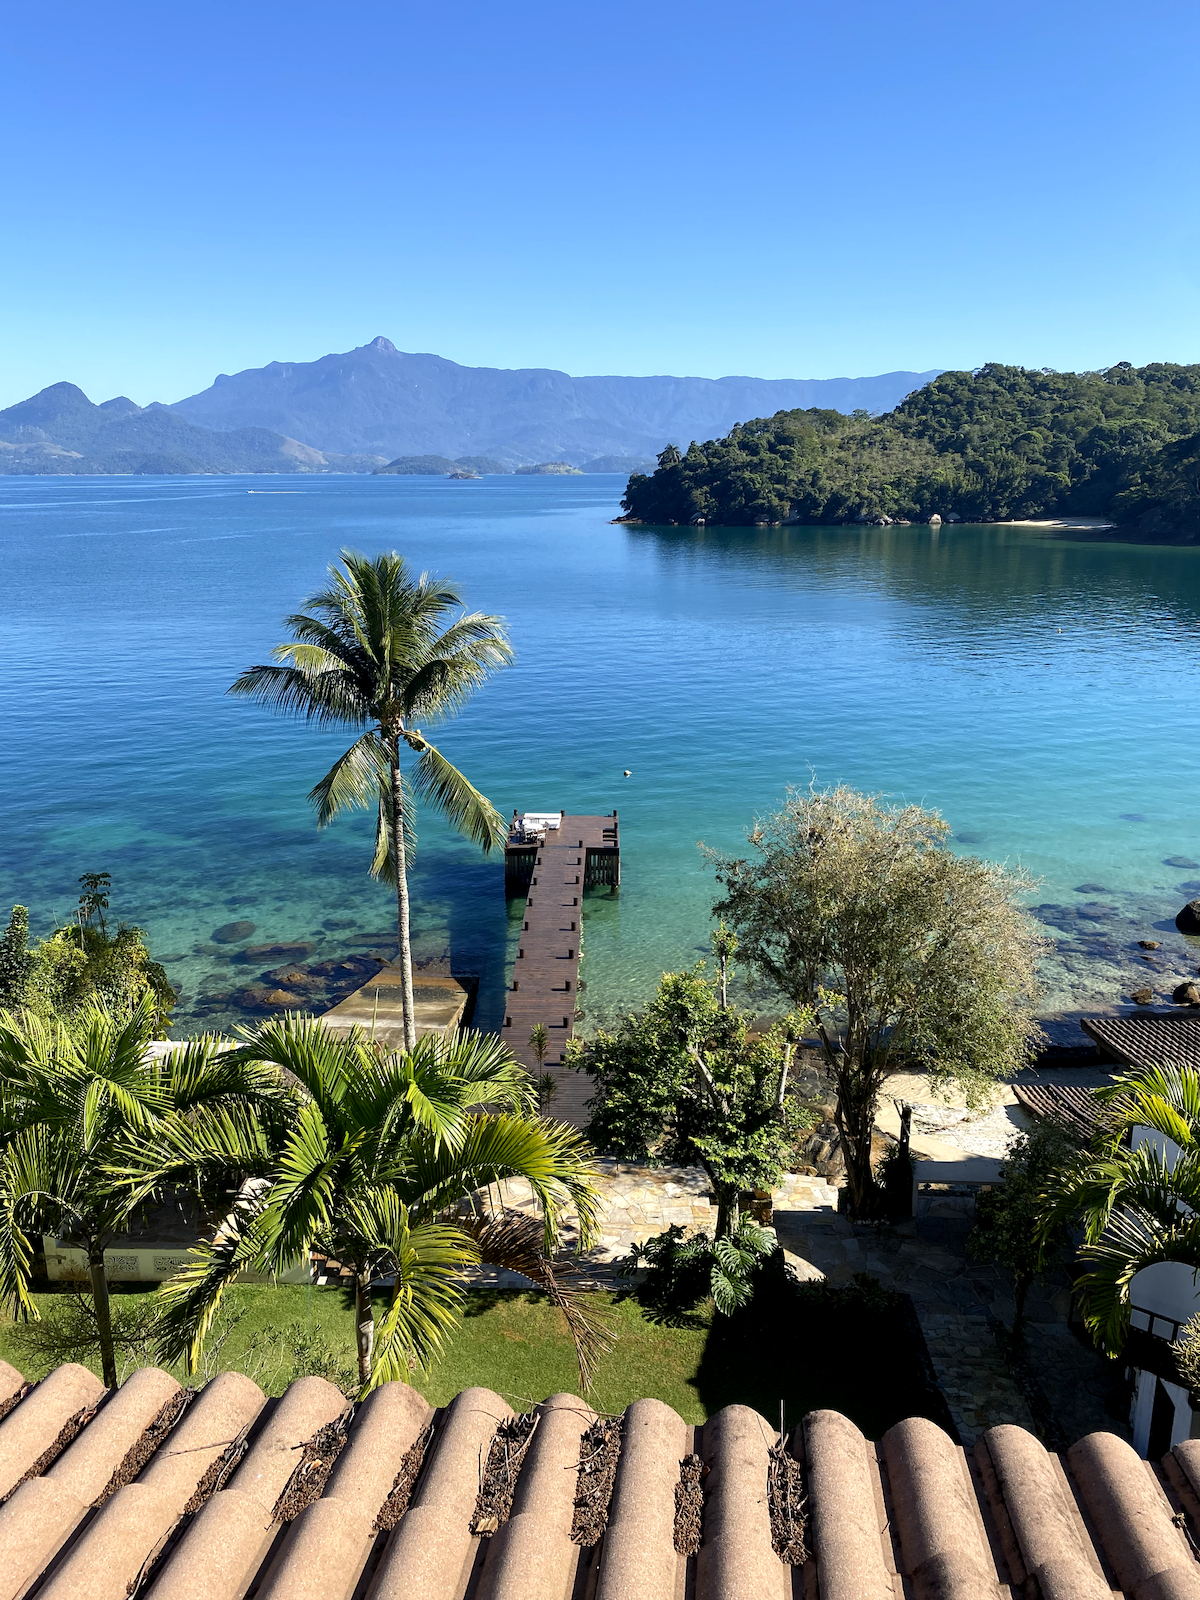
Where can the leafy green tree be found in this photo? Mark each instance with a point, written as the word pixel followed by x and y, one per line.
pixel 83 966
pixel 907 956
pixel 380 649
pixel 1137 1206
pixel 684 1081
pixel 380 1166
pixel 70 1101
pixel 987 445
pixel 16 963
pixel 1009 1219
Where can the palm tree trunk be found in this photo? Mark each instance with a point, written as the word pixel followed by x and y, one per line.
pixel 402 935
pixel 108 1354
pixel 364 1325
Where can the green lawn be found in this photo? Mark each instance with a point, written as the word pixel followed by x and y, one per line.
pixel 790 1346
pixel 509 1341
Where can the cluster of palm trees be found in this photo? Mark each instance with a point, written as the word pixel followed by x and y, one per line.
pixel 294 1142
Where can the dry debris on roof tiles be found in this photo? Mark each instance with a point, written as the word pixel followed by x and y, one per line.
pixel 619 1508
pixel 599 1452
pixel 399 1495
pixel 789 1505
pixel 312 1470
pixel 143 1448
pixel 498 1483
pixel 689 1505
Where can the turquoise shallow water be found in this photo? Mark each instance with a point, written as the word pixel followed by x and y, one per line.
pixel 1043 694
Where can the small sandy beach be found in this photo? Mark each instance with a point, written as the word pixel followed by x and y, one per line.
pixel 1062 524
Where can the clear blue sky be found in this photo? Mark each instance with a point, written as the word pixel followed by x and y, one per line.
pixel 782 189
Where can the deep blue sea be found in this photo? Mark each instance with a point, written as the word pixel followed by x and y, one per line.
pixel 1042 693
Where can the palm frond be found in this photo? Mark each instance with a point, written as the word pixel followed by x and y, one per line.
pixel 329 699
pixel 188 1302
pixel 354 780
pixel 554 1159
pixel 37 1192
pixel 428 1261
pixel 207 1142
pixel 456 665
pixel 511 1240
pixel 441 785
pixel 1132 1241
pixel 303 1049
pixel 303 1195
pixel 485 1069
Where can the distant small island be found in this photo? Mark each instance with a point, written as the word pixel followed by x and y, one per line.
pixel 544 469
pixel 995 445
pixel 441 467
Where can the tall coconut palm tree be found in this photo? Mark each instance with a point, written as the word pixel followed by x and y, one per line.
pixel 68 1103
pixel 1137 1207
pixel 380 1167
pixel 380 649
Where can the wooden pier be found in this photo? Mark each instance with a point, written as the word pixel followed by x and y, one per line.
pixel 551 859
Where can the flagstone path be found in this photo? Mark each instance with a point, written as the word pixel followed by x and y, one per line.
pixel 959 1303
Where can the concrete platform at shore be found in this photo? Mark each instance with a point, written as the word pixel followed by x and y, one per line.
pixel 441 999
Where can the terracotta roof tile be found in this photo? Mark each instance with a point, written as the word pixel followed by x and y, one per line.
pixel 531 1556
pixel 639 1541
pixel 942 1536
pixel 909 1516
pixel 1151 1040
pixel 132 1526
pixel 31 1429
pixel 41 1514
pixel 432 1551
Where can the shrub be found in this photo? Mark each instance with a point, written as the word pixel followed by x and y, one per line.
pixel 683 1272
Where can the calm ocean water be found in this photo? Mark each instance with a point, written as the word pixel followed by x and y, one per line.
pixel 1043 694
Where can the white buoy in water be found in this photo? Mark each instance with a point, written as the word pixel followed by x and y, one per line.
pixel 627 773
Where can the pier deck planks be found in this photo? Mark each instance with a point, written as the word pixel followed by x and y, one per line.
pixel 544 986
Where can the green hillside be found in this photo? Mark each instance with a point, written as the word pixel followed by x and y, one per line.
pixel 999 443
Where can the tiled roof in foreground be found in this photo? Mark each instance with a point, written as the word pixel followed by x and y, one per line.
pixel 221 1495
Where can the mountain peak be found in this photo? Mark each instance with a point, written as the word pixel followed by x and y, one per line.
pixel 386 345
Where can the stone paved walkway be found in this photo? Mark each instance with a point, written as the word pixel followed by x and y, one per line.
pixel 958 1302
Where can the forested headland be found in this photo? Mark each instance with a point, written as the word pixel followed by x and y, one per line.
pixel 997 444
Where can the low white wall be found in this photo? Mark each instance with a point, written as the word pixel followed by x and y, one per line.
pixel 138 1264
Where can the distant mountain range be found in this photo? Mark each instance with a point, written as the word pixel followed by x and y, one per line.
pixel 376 405
pixel 59 430
pixel 378 400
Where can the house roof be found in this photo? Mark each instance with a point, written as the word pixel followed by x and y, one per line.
pixel 1148 1041
pixel 212 1495
pixel 1076 1108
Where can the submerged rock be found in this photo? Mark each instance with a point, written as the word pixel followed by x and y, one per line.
pixel 1142 997
pixel 1149 944
pixel 233 932
pixel 1188 920
pixel 1180 861
pixel 295 951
